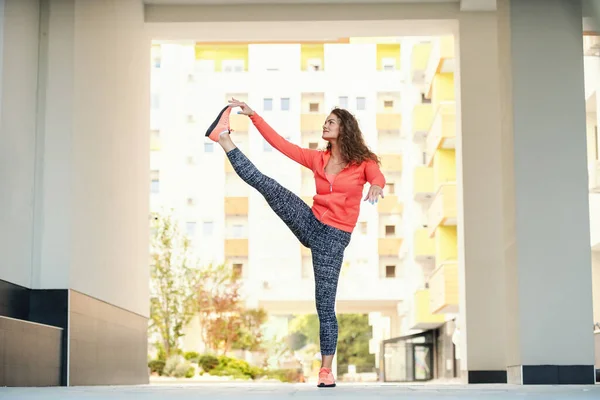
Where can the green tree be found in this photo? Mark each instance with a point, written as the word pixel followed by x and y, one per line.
pixel 353 337
pixel 173 283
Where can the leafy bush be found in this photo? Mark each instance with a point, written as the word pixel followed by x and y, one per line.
pixel 177 367
pixel 190 372
pixel 208 362
pixel 285 375
pixel 236 368
pixel 156 366
pixel 192 356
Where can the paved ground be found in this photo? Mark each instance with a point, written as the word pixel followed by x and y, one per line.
pixel 304 391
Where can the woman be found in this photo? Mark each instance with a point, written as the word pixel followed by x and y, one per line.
pixel 340 174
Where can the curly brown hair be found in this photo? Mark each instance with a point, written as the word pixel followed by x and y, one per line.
pixel 353 148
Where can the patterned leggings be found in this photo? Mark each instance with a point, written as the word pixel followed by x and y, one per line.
pixel 327 243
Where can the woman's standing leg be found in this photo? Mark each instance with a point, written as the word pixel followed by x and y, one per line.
pixel 292 210
pixel 328 248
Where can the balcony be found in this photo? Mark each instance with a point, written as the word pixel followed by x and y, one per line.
pixel 389 247
pixel 443 288
pixel 308 200
pixel 236 248
pixel 594 176
pixel 419 61
pixel 390 205
pixel 442 134
pixel 236 206
pixel 442 211
pixel 312 122
pixel 423 183
pixel 305 251
pixel 228 166
pixel 441 60
pixel 422 318
pixel 422 119
pixel 424 246
pixel 239 123
pixel 391 162
pixel 389 122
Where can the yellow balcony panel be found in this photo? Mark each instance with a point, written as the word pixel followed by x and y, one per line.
pixel 390 205
pixel 312 56
pixel 312 122
pixel 443 289
pixel 423 183
pixel 389 122
pixel 444 167
pixel 422 119
pixel 442 211
pixel 236 205
pixel 222 52
pixel 424 245
pixel 308 200
pixel 389 51
pixel 305 251
pixel 446 244
pixel 236 247
pixel 389 247
pixel 419 60
pixel 228 166
pixel 391 162
pixel 442 134
pixel 422 317
pixel 239 122
pixel 442 89
pixel 441 60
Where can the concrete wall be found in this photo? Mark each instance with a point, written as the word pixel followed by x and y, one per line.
pixel 18 86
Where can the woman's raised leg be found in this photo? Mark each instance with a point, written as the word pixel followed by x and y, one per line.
pixel 292 210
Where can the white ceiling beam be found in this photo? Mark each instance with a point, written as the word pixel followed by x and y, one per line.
pixel 477 5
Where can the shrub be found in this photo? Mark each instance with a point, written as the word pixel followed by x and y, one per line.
pixel 208 362
pixel 190 372
pixel 192 356
pixel 156 366
pixel 177 367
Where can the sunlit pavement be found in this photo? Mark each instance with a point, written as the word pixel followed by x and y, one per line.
pixel 304 391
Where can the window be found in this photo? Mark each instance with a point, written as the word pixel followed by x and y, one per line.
pixel 343 101
pixel 313 107
pixel 390 271
pixel 285 104
pixel 209 147
pixel 154 181
pixel 388 104
pixel 313 145
pixel 390 230
pixel 237 270
pixel 425 100
pixel 390 188
pixel 232 65
pixel 363 228
pixel 207 228
pixel 191 78
pixel 361 103
pixel 314 64
pixel 267 147
pixel 268 104
pixel 190 201
pixel 190 160
pixel 237 231
pixel 424 158
pixel 191 119
pixel 388 63
pixel 190 228
pixel 155 101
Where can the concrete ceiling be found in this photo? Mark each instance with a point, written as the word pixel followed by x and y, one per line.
pixel 248 2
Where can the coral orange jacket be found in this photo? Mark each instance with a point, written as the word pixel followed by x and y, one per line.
pixel 336 204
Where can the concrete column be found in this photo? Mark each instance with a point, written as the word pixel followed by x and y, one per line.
pixel 482 299
pixel 549 313
pixel 93 145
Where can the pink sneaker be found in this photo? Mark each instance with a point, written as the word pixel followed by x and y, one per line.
pixel 220 125
pixel 326 378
